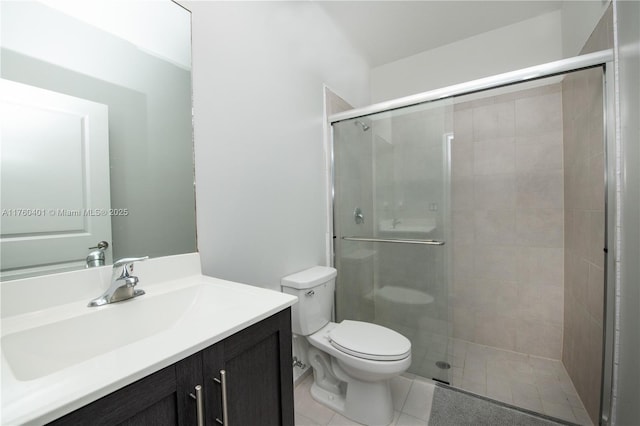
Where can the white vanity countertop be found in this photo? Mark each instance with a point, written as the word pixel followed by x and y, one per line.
pixel 134 338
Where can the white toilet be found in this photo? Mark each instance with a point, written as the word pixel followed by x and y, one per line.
pixel 352 361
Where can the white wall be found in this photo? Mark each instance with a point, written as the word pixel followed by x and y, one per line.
pixel 579 18
pixel 258 74
pixel 531 42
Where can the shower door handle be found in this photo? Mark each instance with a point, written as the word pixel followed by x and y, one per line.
pixel 395 240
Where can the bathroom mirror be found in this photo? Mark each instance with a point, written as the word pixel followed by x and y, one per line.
pixel 97 138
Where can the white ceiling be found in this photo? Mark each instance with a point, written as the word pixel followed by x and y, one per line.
pixel 390 30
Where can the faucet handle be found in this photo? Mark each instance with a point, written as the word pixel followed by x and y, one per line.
pixel 127 260
pixel 127 263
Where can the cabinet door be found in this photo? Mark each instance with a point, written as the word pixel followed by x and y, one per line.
pixel 259 376
pixel 149 401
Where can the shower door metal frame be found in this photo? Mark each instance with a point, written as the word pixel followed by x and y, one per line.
pixel 523 75
pixel 612 240
pixel 604 59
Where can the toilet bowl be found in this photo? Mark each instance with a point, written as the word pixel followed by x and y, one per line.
pixel 352 361
pixel 366 351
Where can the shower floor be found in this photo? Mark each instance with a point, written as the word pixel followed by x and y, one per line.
pixel 538 384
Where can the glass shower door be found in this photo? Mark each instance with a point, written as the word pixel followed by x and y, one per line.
pixel 391 227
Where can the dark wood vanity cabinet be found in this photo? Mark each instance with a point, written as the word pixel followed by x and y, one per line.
pixel 259 385
pixel 259 377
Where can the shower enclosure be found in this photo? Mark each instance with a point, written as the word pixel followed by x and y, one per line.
pixel 471 219
pixel 392 186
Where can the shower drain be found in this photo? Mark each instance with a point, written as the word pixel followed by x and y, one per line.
pixel 443 365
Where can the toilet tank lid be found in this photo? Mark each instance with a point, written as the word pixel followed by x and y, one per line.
pixel 309 277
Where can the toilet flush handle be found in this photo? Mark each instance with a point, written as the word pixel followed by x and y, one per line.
pixel 310 293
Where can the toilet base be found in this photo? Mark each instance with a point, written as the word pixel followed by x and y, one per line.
pixel 368 403
pixel 329 399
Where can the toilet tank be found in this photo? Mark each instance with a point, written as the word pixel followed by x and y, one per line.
pixel 314 288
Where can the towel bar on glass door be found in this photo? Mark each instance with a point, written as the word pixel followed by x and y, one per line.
pixel 395 240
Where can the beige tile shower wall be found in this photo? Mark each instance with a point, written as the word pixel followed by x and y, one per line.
pixel 584 233
pixel 508 207
pixel 585 223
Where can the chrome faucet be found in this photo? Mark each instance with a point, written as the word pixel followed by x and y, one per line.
pixel 122 283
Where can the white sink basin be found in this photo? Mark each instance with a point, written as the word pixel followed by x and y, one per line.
pixel 45 349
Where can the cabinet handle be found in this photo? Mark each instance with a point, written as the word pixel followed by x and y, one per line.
pixel 199 404
pixel 222 381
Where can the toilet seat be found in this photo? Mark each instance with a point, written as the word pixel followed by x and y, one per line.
pixel 369 341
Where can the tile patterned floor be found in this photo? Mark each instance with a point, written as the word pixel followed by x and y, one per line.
pixel 537 384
